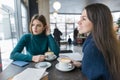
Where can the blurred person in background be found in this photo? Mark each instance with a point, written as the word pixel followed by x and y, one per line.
pixel 57 33
pixel 75 35
pixel 116 29
pixel 69 41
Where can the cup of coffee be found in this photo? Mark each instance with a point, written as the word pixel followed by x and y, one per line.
pixel 49 55
pixel 65 63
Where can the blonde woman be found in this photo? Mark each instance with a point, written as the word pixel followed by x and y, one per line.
pixel 36 43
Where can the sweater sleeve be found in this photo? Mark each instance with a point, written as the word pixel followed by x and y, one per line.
pixel 17 54
pixel 53 45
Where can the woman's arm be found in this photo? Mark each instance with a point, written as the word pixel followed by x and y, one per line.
pixel 17 54
pixel 38 58
pixel 53 45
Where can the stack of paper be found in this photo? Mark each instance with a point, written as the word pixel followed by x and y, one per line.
pixel 30 74
pixel 73 56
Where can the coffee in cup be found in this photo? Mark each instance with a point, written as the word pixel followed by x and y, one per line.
pixel 49 55
pixel 65 63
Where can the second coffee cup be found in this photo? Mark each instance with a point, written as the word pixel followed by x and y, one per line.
pixel 65 63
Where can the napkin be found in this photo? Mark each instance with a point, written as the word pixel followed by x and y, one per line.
pixel 30 74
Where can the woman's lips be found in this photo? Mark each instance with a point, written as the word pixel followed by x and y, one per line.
pixel 35 30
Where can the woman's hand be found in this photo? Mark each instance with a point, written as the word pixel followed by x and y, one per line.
pixel 38 58
pixel 76 63
pixel 47 30
pixel 42 57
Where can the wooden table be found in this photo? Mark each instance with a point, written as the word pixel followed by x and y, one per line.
pixel 54 74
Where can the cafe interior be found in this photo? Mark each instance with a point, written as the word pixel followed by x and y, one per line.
pixel 15 16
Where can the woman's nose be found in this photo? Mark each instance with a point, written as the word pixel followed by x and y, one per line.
pixel 79 22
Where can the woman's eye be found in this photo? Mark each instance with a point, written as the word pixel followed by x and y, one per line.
pixel 32 25
pixel 39 25
pixel 84 19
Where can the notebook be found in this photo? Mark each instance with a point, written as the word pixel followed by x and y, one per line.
pixel 31 74
pixel 20 63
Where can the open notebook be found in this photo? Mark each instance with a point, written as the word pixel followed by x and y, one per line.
pixel 31 74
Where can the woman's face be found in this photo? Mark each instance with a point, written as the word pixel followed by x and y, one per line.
pixel 84 24
pixel 37 27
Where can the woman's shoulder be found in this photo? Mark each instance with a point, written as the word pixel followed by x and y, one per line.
pixel 28 35
pixel 91 47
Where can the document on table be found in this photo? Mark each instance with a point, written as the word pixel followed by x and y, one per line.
pixel 30 74
pixel 73 56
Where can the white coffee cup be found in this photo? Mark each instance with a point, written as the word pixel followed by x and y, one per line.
pixel 49 55
pixel 65 63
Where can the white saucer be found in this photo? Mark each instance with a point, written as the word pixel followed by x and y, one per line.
pixel 65 70
pixel 51 59
pixel 38 65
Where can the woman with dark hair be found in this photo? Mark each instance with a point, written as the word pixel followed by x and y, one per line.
pixel 36 43
pixel 101 49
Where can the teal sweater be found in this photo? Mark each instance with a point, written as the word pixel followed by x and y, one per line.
pixel 34 45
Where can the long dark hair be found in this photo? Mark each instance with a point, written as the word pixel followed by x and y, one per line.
pixel 105 37
pixel 41 18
